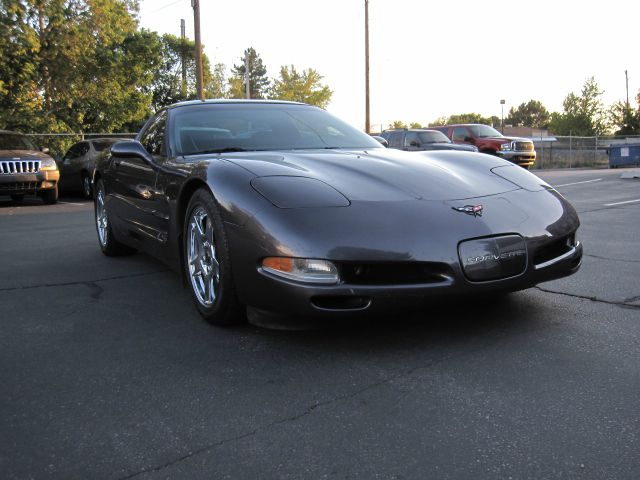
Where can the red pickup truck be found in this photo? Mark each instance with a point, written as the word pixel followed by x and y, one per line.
pixel 489 140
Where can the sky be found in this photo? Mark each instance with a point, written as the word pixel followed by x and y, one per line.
pixel 428 59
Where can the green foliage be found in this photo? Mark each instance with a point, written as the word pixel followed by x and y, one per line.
pixel 625 119
pixel 303 87
pixel 531 114
pixel 398 124
pixel 258 80
pixel 463 118
pixel 583 115
pixel 415 125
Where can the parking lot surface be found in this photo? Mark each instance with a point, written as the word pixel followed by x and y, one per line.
pixel 108 372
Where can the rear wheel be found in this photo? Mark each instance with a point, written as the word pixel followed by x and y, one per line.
pixel 108 243
pixel 86 185
pixel 50 196
pixel 207 262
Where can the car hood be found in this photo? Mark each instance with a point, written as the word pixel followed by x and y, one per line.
pixel 507 139
pixel 386 174
pixel 22 155
pixel 451 146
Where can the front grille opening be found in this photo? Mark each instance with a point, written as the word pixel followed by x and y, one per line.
pixel 394 273
pixel 340 302
pixel 22 186
pixel 554 250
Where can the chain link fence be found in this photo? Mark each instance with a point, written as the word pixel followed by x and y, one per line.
pixel 59 143
pixel 574 152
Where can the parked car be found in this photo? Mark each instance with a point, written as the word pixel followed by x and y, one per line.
pixel 282 207
pixel 487 139
pixel 25 169
pixel 422 139
pixel 78 163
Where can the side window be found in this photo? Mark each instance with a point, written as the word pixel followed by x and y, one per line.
pixel 153 137
pixel 459 134
pixel 411 137
pixel 84 148
pixel 395 140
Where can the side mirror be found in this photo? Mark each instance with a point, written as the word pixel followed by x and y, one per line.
pixel 130 149
pixel 414 144
pixel 382 141
pixel 468 139
pixel 44 149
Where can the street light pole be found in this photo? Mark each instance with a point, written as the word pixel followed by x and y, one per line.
pixel 502 116
pixel 196 20
pixel 367 121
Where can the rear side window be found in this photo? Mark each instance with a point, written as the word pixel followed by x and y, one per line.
pixel 459 134
pixel 395 139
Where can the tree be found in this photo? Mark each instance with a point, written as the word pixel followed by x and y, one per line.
pixel 258 80
pixel 415 125
pixel 531 114
pixel 168 85
pixel 73 65
pixel 625 119
pixel 398 124
pixel 462 118
pixel 583 115
pixel 303 87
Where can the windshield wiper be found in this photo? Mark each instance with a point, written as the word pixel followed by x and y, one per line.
pixel 220 150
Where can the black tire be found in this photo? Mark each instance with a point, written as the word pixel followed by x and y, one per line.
pixel 107 241
pixel 17 197
pixel 85 184
pixel 50 196
pixel 210 278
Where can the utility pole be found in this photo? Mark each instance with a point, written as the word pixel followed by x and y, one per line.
pixel 196 20
pixel 247 85
pixel 502 102
pixel 183 36
pixel 367 121
pixel 627 78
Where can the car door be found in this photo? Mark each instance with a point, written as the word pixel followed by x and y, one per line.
pixel 71 167
pixel 135 187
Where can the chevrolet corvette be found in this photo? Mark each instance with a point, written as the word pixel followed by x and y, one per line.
pixel 280 207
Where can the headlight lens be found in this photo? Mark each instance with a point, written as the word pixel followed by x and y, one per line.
pixel 505 147
pixel 48 164
pixel 307 270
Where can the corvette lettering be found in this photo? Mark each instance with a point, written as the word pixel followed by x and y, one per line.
pixel 496 258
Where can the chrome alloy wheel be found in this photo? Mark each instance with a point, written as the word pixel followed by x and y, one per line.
pixel 204 269
pixel 102 223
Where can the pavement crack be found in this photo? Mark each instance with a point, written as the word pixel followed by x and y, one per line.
pixel 96 290
pixel 611 259
pixel 623 304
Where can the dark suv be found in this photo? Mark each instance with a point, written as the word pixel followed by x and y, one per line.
pixel 26 170
pixel 422 139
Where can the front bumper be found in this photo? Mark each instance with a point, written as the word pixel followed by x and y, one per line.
pixel 523 158
pixel 274 294
pixel 28 183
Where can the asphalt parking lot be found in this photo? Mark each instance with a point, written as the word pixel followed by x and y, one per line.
pixel 108 372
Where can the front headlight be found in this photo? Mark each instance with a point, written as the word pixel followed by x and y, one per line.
pixel 48 164
pixel 307 270
pixel 505 147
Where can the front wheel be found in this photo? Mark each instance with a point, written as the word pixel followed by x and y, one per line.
pixel 50 196
pixel 207 262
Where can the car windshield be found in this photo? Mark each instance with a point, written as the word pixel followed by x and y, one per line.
pixel 211 128
pixel 100 145
pixel 484 131
pixel 14 141
pixel 433 136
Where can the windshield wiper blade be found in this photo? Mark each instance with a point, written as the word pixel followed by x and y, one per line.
pixel 220 150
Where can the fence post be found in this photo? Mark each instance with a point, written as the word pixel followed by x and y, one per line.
pixel 570 148
pixel 595 152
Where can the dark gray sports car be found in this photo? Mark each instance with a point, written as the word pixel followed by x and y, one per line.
pixel 284 208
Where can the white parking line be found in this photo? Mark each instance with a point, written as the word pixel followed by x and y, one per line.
pixel 71 203
pixel 578 183
pixel 621 203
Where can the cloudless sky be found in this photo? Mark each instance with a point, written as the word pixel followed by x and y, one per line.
pixel 428 58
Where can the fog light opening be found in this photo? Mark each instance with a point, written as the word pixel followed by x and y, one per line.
pixel 307 270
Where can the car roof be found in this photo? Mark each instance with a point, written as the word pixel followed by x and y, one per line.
pixel 227 101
